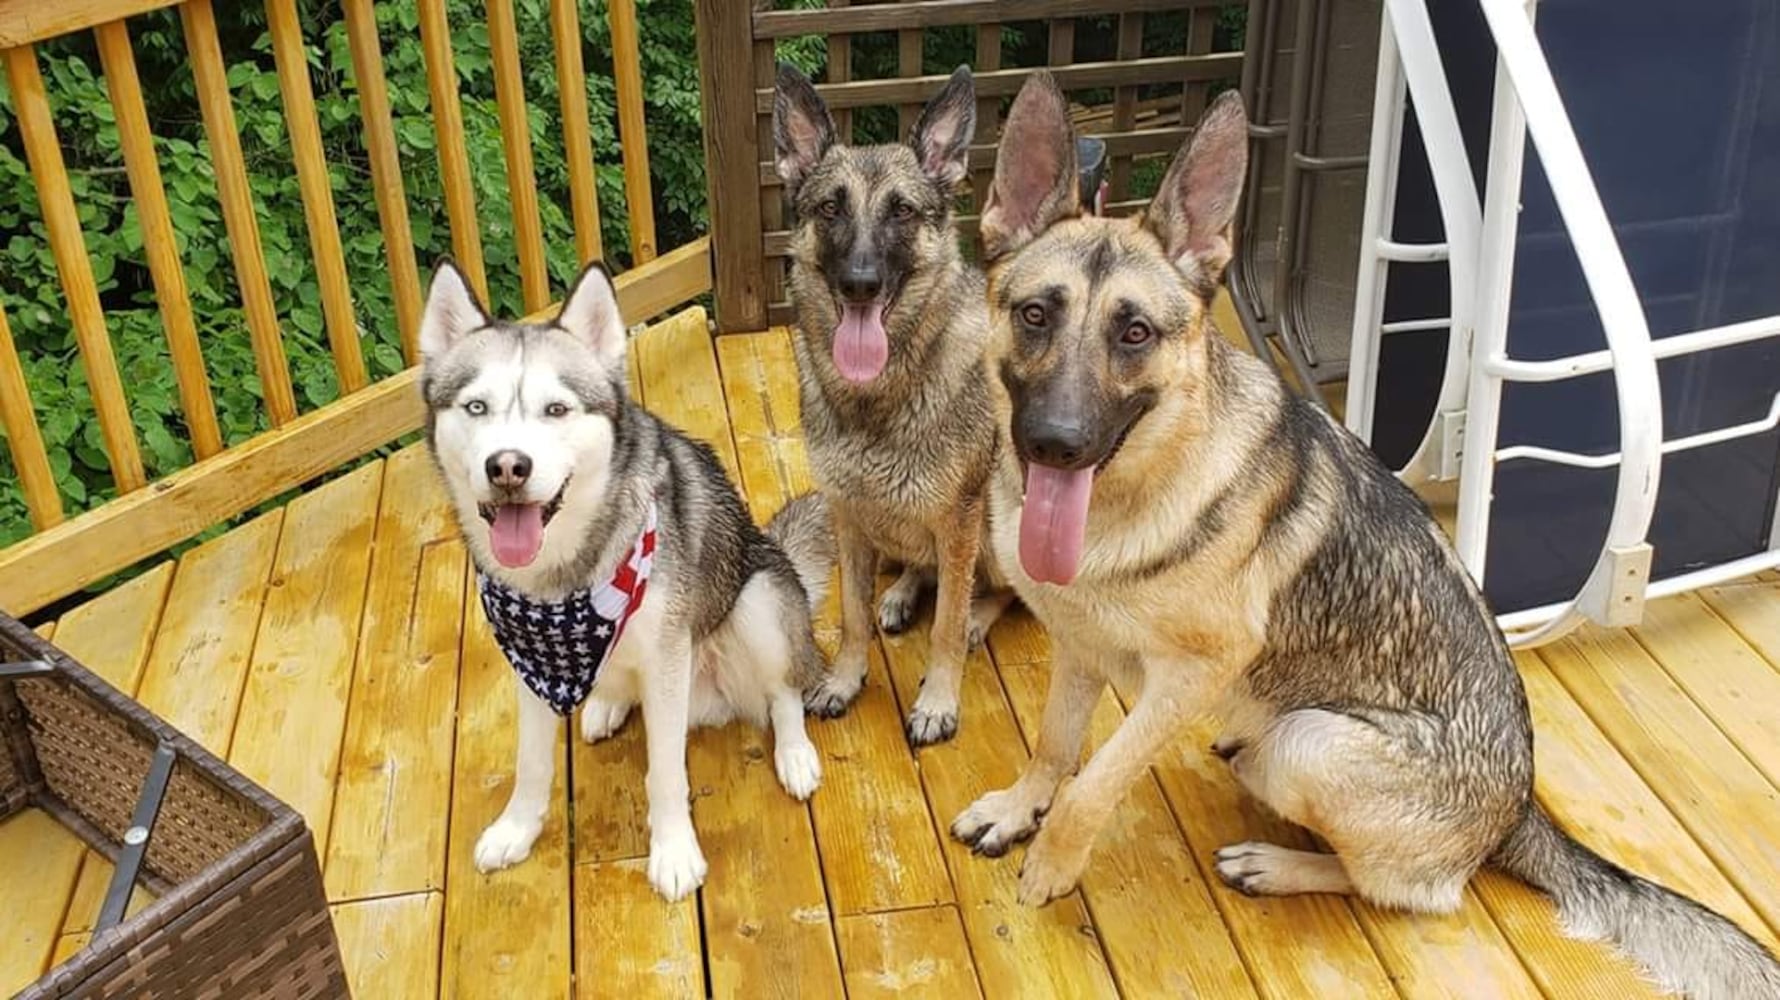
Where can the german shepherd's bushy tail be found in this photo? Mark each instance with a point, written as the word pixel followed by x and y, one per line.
pixel 804 528
pixel 1685 947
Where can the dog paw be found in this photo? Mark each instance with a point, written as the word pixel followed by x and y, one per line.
pixel 831 696
pixel 799 767
pixel 1046 874
pixel 676 865
pixel 896 612
pixel 1252 868
pixel 506 842
pixel 996 822
pixel 975 634
pixel 600 718
pixel 934 717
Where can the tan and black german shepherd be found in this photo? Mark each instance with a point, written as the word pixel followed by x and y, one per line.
pixel 891 329
pixel 1176 518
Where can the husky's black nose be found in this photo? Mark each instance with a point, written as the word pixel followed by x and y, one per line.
pixel 861 281
pixel 1056 441
pixel 508 468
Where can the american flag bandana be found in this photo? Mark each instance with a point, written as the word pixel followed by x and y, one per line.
pixel 558 647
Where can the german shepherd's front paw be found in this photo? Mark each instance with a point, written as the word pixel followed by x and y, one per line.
pixel 934 718
pixel 1049 872
pixel 505 843
pixel 896 611
pixel 676 865
pixel 998 821
pixel 831 696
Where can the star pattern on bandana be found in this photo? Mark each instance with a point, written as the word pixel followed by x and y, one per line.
pixel 558 647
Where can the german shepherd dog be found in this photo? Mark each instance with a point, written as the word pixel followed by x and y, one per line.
pixel 891 329
pixel 599 531
pixel 1178 519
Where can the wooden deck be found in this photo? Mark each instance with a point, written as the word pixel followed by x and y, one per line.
pixel 332 650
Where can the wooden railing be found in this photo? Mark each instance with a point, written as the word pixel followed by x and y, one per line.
pixel 66 553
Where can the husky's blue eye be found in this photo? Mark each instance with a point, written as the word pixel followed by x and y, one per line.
pixel 476 408
pixel 556 410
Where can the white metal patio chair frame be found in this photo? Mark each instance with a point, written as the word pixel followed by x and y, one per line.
pixel 1461 440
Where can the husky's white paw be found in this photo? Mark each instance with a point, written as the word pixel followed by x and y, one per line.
pixel 998 821
pixel 506 842
pixel 799 767
pixel 829 698
pixel 934 718
pixel 601 718
pixel 676 865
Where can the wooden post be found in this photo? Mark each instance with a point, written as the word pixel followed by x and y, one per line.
pixel 732 157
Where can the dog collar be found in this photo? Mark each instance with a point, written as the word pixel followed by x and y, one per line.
pixel 558 647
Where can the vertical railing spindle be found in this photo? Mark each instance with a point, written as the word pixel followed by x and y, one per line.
pixel 516 142
pixel 627 74
pixel 23 438
pixel 454 156
pixel 577 144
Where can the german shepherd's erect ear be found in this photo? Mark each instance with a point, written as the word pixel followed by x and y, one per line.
pixel 941 139
pixel 802 127
pixel 1193 209
pixel 1035 170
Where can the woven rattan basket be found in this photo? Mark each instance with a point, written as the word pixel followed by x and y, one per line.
pixel 240 910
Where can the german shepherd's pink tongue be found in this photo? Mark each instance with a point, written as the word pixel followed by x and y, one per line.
pixel 517 533
pixel 1054 521
pixel 860 347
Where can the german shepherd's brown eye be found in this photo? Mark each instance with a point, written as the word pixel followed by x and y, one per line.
pixel 1135 334
pixel 1033 314
pixel 830 208
pixel 902 211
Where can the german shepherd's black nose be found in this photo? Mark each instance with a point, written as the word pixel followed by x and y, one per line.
pixel 508 468
pixel 861 280
pixel 1057 441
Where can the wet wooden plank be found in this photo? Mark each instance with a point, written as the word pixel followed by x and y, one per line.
pixel 1019 950
pixel 1727 677
pixel 390 945
pixel 880 845
pixel 301 673
pixel 112 633
pixel 628 942
pixel 507 932
pixel 195 673
pixel 1143 888
pixel 392 799
pixel 1302 946
pixel 39 861
pixel 766 914
pixel 1712 789
pixel 906 953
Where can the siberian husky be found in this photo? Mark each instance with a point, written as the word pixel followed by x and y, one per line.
pixel 590 521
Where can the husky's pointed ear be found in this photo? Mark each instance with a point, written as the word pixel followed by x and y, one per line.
pixel 802 127
pixel 1196 204
pixel 942 137
pixel 590 312
pixel 1035 182
pixel 451 310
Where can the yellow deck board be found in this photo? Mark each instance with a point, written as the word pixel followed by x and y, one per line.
pixel 767 921
pixel 1728 807
pixel 301 674
pixel 880 845
pixel 1142 885
pixel 507 932
pixel 195 672
pixel 390 945
pixel 1019 950
pixel 630 944
pixel 1752 607
pixel 919 952
pixel 392 800
pixel 39 862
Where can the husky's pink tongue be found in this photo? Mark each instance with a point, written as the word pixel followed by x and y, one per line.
pixel 860 347
pixel 1054 521
pixel 517 533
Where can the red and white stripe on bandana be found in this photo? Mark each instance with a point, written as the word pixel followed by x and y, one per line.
pixel 558 647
